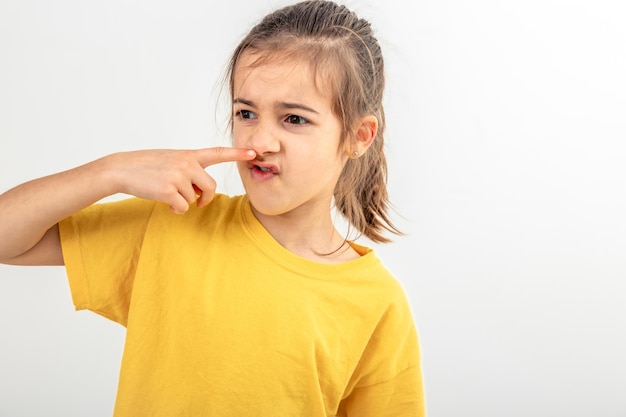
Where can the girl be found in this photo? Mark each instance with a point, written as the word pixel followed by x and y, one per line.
pixel 252 304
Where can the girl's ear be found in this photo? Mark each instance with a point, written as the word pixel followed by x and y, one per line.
pixel 364 136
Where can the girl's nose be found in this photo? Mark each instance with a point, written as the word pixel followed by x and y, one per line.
pixel 264 140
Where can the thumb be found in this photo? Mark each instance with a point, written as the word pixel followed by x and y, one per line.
pixel 212 156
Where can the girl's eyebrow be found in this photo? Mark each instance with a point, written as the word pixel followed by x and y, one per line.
pixel 280 105
pixel 285 105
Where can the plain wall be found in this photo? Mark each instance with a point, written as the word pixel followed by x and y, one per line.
pixel 506 146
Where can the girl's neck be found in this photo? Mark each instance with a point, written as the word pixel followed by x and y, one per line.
pixel 312 237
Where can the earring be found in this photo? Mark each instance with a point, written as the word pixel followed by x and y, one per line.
pixel 355 154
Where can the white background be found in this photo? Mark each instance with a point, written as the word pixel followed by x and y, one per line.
pixel 507 156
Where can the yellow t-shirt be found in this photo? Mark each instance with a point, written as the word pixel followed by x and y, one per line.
pixel 224 321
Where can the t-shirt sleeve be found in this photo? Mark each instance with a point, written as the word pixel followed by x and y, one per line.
pixel 388 379
pixel 101 249
pixel 401 396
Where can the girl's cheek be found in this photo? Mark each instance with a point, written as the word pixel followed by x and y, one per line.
pixel 236 139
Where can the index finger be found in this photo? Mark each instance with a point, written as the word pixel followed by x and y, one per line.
pixel 212 156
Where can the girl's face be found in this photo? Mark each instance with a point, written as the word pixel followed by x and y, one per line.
pixel 279 112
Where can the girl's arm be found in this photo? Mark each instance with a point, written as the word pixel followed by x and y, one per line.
pixel 29 213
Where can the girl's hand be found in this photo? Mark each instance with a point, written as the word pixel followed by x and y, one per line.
pixel 174 177
pixel 30 212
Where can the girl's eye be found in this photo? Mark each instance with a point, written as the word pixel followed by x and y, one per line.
pixel 296 120
pixel 245 114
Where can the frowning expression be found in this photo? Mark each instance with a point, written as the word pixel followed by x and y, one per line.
pixel 286 117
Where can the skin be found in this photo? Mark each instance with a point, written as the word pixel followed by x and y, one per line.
pixel 279 112
pixel 30 212
pixel 298 141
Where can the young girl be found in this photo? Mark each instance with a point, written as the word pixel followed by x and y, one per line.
pixel 252 304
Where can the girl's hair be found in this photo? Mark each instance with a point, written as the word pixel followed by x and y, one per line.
pixel 342 52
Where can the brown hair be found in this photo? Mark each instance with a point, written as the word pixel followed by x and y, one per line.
pixel 341 45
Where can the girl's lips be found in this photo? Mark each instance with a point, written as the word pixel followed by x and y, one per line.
pixel 263 167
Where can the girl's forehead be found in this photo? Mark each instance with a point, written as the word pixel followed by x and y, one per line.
pixel 277 67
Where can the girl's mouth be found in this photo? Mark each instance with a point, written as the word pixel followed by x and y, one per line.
pixel 262 170
pixel 263 167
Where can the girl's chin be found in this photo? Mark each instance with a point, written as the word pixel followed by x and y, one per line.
pixel 269 204
pixel 265 208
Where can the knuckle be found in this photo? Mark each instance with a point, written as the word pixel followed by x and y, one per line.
pixel 184 165
pixel 220 153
